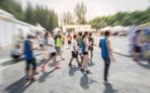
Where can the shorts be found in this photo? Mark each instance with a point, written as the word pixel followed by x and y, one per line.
pixel 52 54
pixel 15 56
pixel 106 60
pixel 29 63
pixel 74 54
pixel 90 48
pixel 58 49
pixel 69 42
pixel 137 49
pixel 85 53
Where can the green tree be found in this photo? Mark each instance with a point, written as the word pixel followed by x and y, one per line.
pixel 30 14
pixel 122 18
pixel 80 12
pixel 47 18
pixel 12 7
pixel 67 18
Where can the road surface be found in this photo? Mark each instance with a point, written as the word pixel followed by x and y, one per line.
pixel 126 76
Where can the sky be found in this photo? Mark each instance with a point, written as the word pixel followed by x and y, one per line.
pixel 94 7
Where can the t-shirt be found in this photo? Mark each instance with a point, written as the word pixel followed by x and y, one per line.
pixel 80 42
pixel 16 52
pixel 58 42
pixel 28 53
pixel 84 47
pixel 74 44
pixel 50 48
pixel 103 46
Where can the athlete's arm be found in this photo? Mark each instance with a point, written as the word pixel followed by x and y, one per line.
pixel 110 50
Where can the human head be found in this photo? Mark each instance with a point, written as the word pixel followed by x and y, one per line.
pixel 107 33
pixel 80 33
pixel 102 33
pixel 85 35
pixel 74 37
pixel 18 46
pixel 59 32
pixel 29 37
pixel 90 34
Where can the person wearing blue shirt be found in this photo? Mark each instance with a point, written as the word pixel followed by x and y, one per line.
pixel 30 60
pixel 106 53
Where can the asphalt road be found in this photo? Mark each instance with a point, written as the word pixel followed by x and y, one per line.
pixel 126 76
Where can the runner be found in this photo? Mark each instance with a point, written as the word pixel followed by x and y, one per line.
pixel 138 45
pixel 59 45
pixel 30 60
pixel 74 51
pixel 85 45
pixel 106 53
pixel 80 46
pixel 51 50
pixel 69 39
pixel 91 46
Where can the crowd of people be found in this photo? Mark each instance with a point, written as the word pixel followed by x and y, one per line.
pixel 50 45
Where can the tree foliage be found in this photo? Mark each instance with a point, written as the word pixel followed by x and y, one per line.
pixel 122 18
pixel 12 7
pixel 80 12
pixel 44 16
pixel 67 18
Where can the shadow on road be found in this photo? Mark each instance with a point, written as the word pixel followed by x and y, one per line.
pixel 91 63
pixel 109 88
pixel 12 62
pixel 144 64
pixel 72 70
pixel 19 86
pixel 45 75
pixel 84 82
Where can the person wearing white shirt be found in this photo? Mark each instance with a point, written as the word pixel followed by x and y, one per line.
pixel 51 50
pixel 74 51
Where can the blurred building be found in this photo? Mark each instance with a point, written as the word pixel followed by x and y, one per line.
pixel 11 29
pixel 116 30
pixel 79 28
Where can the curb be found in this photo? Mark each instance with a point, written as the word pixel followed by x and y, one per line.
pixel 122 54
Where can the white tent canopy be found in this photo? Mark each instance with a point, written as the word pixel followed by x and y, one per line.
pixel 38 28
pixel 114 29
pixel 6 15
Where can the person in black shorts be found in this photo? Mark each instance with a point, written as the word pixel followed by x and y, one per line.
pixel 51 50
pixel 91 46
pixel 85 44
pixel 74 51
pixel 30 60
